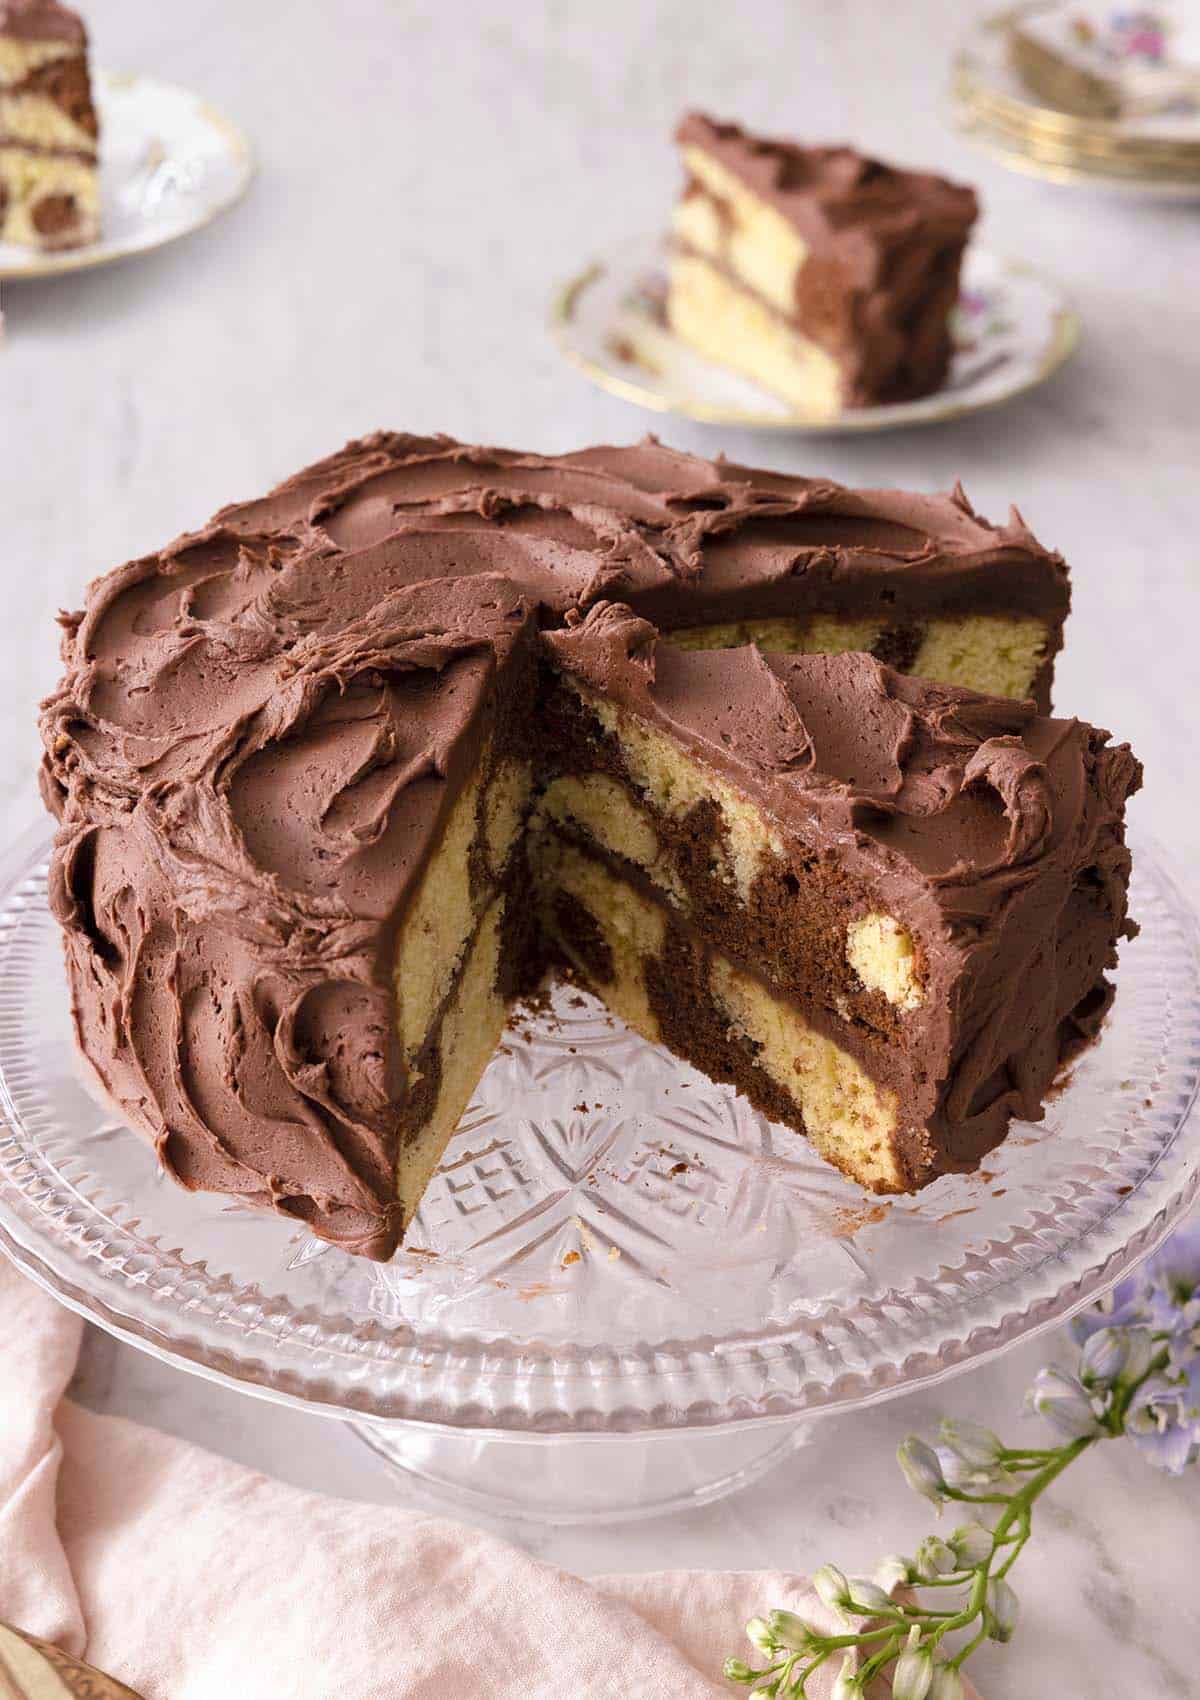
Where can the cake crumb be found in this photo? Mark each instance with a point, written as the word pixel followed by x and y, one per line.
pixel 571 1257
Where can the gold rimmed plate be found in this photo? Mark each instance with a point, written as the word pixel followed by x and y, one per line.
pixel 169 164
pixel 1156 154
pixel 1012 328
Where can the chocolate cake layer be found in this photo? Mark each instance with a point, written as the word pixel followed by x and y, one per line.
pixel 935 879
pixel 254 774
pixel 822 273
pixel 698 546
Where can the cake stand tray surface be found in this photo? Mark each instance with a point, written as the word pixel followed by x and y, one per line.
pixel 614 1247
pixel 1012 330
pixel 169 163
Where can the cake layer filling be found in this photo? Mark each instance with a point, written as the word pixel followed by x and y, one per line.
pixel 47 200
pixel 38 121
pixel 733 326
pixel 998 655
pixel 662 820
pixel 21 59
pixel 675 990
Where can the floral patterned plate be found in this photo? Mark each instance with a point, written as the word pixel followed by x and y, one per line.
pixel 1012 330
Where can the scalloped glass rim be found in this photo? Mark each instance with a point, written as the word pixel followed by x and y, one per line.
pixel 526 1307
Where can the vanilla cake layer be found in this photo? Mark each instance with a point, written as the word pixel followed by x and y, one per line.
pixel 825 276
pixel 983 652
pixel 733 327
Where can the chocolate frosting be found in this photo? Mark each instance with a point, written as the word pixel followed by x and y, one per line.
pixel 41 20
pixel 260 729
pixel 974 821
pixel 682 539
pixel 250 761
pixel 884 244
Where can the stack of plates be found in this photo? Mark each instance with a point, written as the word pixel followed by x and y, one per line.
pixel 1145 153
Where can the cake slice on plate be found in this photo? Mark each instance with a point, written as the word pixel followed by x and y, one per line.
pixel 827 277
pixel 881 908
pixel 49 181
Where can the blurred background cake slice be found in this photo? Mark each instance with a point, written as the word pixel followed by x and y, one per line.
pixel 49 180
pixel 825 276
pixel 883 909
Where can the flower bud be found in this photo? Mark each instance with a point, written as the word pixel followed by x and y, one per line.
pixel 1001 1610
pixel 946 1684
pixel 789 1630
pixel 845 1686
pixel 892 1573
pixel 1103 1357
pixel 913 1675
pixel 974 1444
pixel 934 1559
pixel 1061 1400
pixel 758 1633
pixel 971 1478
pixel 737 1670
pixel 921 1469
pixel 767 1693
pixel 1141 1350
pixel 868 1598
pixel 831 1587
pixel 972 1545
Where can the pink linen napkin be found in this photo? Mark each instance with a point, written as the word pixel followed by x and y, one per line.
pixel 191 1578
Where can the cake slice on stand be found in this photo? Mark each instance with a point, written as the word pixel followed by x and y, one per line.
pixel 49 133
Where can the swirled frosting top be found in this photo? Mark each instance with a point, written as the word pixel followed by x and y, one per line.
pixel 682 539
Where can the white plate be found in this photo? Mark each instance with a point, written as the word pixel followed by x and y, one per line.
pixel 169 163
pixel 1012 330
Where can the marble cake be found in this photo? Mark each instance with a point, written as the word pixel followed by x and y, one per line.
pixel 49 185
pixel 341 774
pixel 825 276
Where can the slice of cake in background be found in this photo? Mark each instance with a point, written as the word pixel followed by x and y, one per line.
pixel 883 909
pixel 825 276
pixel 715 553
pixel 49 178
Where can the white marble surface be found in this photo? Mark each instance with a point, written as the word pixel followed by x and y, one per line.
pixel 427 174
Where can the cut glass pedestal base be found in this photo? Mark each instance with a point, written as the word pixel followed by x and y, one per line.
pixel 616 1479
pixel 625 1289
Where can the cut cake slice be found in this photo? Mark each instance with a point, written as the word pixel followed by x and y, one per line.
pixel 49 132
pixel 825 276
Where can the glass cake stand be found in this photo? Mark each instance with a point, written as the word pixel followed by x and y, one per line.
pixel 625 1289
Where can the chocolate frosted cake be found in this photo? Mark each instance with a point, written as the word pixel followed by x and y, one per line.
pixel 826 276
pixel 339 775
pixel 49 189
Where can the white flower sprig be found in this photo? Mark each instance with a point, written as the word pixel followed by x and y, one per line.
pixel 1138 1375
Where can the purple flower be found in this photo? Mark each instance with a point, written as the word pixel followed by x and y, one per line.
pixel 1163 1420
